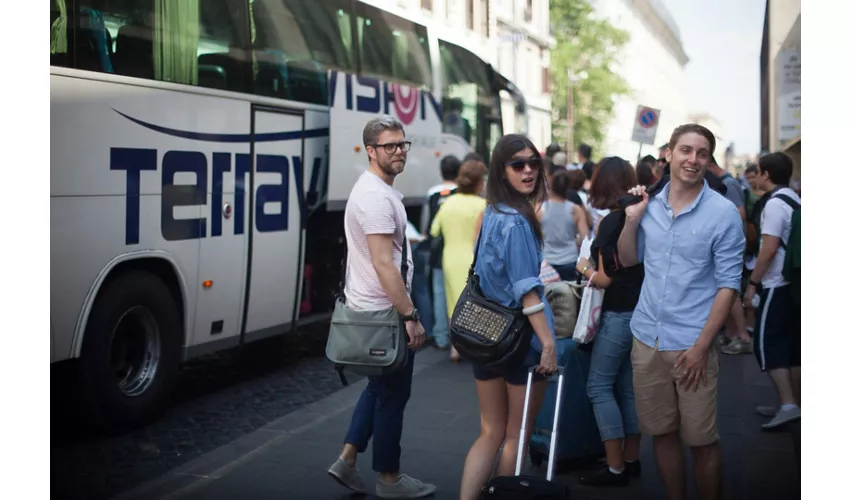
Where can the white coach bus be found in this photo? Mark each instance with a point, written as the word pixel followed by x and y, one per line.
pixel 202 152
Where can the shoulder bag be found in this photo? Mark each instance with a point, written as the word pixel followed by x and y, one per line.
pixel 370 343
pixel 485 332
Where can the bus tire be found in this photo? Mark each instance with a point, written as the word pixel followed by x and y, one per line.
pixel 130 356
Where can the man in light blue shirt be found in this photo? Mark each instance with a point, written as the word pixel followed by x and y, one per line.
pixel 691 243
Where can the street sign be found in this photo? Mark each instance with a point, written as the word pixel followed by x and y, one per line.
pixel 646 125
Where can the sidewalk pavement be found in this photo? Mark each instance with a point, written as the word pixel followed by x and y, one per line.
pixel 288 459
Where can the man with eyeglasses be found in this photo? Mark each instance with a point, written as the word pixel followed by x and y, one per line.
pixel 375 224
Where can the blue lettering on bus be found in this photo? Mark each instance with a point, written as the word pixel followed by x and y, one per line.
pixel 372 93
pixel 135 160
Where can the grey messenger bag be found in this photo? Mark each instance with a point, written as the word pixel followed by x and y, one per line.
pixel 369 343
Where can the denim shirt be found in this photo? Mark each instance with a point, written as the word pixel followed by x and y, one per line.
pixel 509 260
pixel 687 260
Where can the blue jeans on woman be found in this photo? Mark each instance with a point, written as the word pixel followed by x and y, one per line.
pixel 610 383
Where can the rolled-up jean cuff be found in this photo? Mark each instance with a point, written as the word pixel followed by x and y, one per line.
pixel 609 433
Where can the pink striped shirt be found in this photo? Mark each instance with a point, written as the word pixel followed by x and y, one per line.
pixel 373 207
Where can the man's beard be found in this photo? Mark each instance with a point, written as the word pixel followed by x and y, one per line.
pixel 391 170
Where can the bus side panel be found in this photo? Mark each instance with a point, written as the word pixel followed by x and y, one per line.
pixel 276 232
pixel 135 168
pixel 356 100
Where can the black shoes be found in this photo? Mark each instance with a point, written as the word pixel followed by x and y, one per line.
pixel 604 476
pixel 633 468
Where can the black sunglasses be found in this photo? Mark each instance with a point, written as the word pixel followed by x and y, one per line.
pixel 518 164
pixel 391 147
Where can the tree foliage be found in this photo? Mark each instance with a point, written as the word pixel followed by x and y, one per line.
pixel 591 45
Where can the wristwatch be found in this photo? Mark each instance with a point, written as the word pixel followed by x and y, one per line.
pixel 413 316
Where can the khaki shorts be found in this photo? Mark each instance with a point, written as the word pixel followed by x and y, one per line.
pixel 663 407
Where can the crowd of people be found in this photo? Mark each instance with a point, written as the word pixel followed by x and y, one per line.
pixel 693 261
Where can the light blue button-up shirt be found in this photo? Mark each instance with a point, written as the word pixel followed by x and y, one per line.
pixel 686 259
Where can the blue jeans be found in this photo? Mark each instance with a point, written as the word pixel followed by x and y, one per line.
pixel 610 385
pixel 420 289
pixel 379 415
pixel 441 311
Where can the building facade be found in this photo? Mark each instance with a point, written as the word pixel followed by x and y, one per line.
pixel 780 79
pixel 653 63
pixel 512 35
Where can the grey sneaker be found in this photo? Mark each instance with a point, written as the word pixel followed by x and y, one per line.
pixel 347 476
pixel 783 417
pixel 405 487
pixel 766 411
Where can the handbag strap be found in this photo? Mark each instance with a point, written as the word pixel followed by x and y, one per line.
pixel 475 254
pixel 404 267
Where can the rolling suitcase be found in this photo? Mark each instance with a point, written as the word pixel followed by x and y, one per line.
pixel 579 442
pixel 525 487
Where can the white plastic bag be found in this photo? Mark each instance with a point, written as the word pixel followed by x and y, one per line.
pixel 590 312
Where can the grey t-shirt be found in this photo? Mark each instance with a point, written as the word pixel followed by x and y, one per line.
pixel 559 233
pixel 734 191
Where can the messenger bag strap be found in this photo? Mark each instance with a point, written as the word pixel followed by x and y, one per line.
pixel 477 245
pixel 404 266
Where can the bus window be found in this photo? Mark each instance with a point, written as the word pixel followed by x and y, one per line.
pixel 469 102
pixel 295 42
pixel 59 55
pixel 196 42
pixel 393 48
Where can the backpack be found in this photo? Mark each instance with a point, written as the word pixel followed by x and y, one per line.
pixel 791 266
pixel 436 244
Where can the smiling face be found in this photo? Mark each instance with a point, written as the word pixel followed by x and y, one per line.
pixel 689 159
pixel 523 170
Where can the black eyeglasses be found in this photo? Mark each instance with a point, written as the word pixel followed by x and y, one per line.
pixel 518 164
pixel 391 147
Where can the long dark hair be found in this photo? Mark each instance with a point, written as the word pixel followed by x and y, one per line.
pixel 499 189
pixel 611 181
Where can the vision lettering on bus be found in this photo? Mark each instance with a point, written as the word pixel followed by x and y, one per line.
pixel 135 161
pixel 373 96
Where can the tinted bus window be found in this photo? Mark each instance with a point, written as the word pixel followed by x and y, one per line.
pixel 470 104
pixel 295 42
pixel 393 48
pixel 195 42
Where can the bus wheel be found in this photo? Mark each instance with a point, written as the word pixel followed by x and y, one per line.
pixel 131 350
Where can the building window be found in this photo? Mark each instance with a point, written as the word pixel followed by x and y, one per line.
pixel 470 12
pixel 529 9
pixel 547 84
pixel 485 17
pixel 426 5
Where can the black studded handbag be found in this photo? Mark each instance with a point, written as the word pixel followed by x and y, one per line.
pixel 485 332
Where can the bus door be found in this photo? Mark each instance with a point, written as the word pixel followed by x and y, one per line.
pixel 274 258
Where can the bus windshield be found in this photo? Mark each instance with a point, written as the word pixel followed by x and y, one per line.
pixel 470 100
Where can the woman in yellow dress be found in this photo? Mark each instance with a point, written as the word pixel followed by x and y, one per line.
pixel 456 223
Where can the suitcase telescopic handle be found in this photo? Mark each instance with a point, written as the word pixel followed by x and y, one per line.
pixel 553 441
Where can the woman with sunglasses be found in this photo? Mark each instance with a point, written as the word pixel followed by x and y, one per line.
pixel 508 266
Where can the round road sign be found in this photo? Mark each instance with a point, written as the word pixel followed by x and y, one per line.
pixel 647 118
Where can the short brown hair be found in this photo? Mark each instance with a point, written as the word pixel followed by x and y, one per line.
pixel 577 178
pixel 470 176
pixel 561 182
pixel 695 128
pixel 612 178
